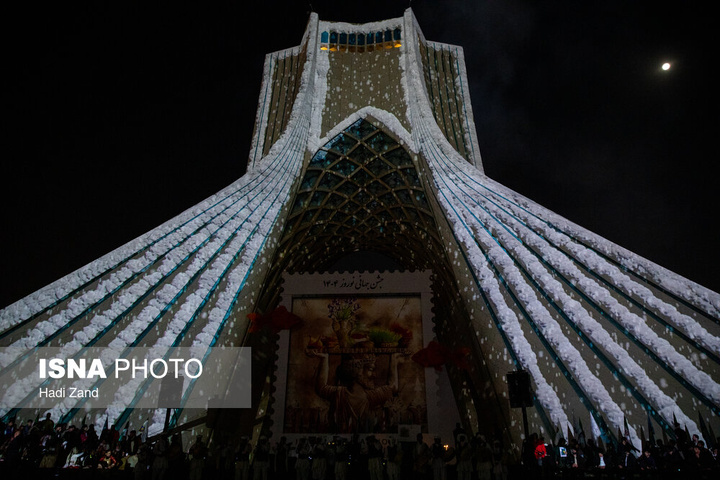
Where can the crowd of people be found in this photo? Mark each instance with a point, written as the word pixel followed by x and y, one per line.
pixel 44 447
pixel 80 452
pixel 671 458
pixel 73 452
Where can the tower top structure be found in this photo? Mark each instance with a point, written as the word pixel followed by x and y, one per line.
pixel 369 63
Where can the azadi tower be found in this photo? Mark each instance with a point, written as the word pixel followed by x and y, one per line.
pixel 365 147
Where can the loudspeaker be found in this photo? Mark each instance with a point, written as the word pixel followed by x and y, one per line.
pixel 519 389
pixel 213 411
pixel 171 390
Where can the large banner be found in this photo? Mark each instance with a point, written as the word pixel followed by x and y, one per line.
pixel 348 368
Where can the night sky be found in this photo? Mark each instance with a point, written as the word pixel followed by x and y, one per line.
pixel 117 118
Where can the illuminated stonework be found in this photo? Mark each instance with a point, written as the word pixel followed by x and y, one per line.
pixel 360 149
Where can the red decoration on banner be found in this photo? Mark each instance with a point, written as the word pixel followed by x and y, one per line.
pixel 281 319
pixel 255 320
pixel 459 358
pixel 277 320
pixel 436 355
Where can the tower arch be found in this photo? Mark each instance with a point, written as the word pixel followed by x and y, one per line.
pixel 363 191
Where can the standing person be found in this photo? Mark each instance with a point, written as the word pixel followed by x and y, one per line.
pixel 438 459
pixel 421 457
pixel 715 456
pixel 603 462
pixel 464 458
pixel 242 459
pixel 627 463
pixel 540 452
pixel 91 437
pixel 647 461
pixel 27 428
pixel 113 436
pixel 176 457
pixel 261 459
pixel 357 465
pixel 699 459
pixel 142 462
pixel 591 454
pixel 500 469
pixel 331 454
pixel 46 426
pixel 394 459
pixel 13 451
pixel 457 431
pixel 281 457
pixel 672 458
pixel 576 457
pixel 342 458
pixel 292 457
pixel 375 454
pixel 131 443
pixel 160 461
pixel 302 466
pixel 8 431
pixel 484 457
pixel 319 460
pixel 51 447
pixel 198 452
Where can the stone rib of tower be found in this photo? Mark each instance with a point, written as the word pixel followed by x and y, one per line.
pixel 606 335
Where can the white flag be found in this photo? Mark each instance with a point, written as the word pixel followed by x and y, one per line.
pixel 594 429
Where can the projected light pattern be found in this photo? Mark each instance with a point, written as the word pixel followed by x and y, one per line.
pixel 607 336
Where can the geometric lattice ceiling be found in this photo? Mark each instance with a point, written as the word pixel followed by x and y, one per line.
pixel 360 190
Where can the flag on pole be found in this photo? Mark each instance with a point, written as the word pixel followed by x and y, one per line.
pixel 581 432
pixel 651 431
pixel 558 435
pixel 704 430
pixel 627 428
pixel 104 433
pixel 143 431
pixel 682 436
pixel 574 423
pixel 595 429
pixel 643 441
pixel 124 433
pixel 571 437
